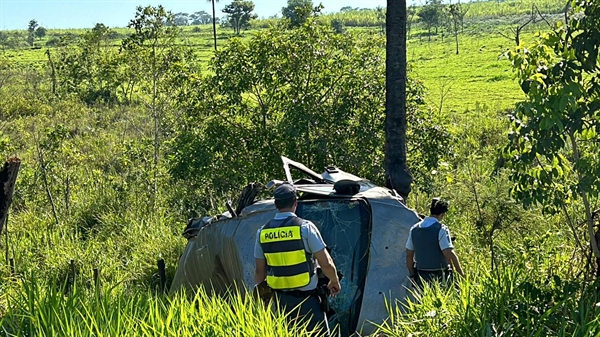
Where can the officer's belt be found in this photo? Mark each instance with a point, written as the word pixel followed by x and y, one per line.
pixel 433 270
pixel 298 293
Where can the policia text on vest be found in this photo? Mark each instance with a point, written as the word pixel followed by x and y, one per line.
pixel 278 234
pixel 289 265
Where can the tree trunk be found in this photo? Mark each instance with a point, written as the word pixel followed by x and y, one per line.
pixel 214 24
pixel 53 72
pixel 8 177
pixel 456 36
pixel 398 175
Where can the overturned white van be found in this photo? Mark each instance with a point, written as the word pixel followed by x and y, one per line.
pixel 366 229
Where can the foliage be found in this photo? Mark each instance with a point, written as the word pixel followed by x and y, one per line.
pixel 42 309
pixel 89 68
pixel 298 11
pixel 337 26
pixel 552 145
pixel 506 302
pixel 31 30
pixel 201 18
pixel 431 14
pixel 152 43
pixel 301 94
pixel 40 32
pixel 239 13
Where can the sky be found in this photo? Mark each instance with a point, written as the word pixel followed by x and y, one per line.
pixel 16 14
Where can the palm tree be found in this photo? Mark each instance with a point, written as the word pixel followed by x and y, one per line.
pixel 214 22
pixel 398 175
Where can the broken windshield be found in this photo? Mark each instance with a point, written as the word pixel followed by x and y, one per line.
pixel 345 225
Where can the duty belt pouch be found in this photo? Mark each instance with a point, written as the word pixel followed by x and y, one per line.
pixel 263 291
pixel 323 293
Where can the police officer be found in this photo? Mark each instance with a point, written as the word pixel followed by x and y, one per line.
pixel 429 249
pixel 285 252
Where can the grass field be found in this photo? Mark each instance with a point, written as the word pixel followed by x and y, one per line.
pixel 479 77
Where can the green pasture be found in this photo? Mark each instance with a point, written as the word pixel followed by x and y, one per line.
pixel 478 77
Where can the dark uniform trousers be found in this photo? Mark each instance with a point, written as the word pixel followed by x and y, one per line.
pixel 303 306
pixel 434 275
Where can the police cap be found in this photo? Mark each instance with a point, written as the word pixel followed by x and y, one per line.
pixel 284 191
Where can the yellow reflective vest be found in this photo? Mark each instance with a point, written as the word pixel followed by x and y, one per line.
pixel 289 266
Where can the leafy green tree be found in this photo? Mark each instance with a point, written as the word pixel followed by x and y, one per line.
pixel 454 14
pixel 40 32
pixel 3 40
pixel 553 148
pixel 181 19
pixel 239 13
pixel 381 13
pixel 200 18
pixel 430 14
pixel 152 53
pixel 337 25
pixel 89 67
pixel 307 93
pixel 298 11
pixel 33 25
pixel 411 12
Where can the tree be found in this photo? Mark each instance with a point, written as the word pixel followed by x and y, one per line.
pixel 201 18
pixel 307 93
pixel 298 11
pixel 3 40
pixel 454 16
pixel 462 12
pixel 40 32
pixel 553 144
pixel 181 19
pixel 33 25
pixel 239 13
pixel 430 15
pixel 518 28
pixel 398 175
pixel 346 9
pixel 214 21
pixel 380 11
pixel 338 26
pixel 88 67
pixel 411 12
pixel 151 48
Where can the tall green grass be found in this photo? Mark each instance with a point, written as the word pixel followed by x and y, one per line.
pixel 38 308
pixel 505 302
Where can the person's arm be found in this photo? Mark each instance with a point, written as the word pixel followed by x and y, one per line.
pixel 410 262
pixel 260 262
pixel 260 272
pixel 453 259
pixel 326 263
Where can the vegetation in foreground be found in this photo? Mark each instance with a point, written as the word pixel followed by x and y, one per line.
pixel 117 154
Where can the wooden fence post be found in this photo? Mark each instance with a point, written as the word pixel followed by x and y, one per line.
pixel 8 177
pixel 70 277
pixel 97 282
pixel 162 275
